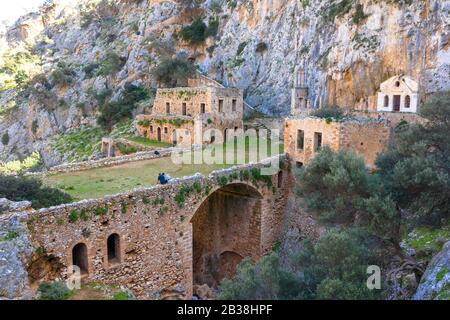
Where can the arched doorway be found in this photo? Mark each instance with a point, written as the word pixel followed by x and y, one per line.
pixel 159 134
pixel 174 137
pixel 226 229
pixel 80 257
pixel 225 132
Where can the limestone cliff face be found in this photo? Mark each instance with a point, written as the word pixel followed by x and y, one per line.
pixel 348 47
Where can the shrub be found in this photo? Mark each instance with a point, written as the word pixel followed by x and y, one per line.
pixel 100 211
pixel 73 216
pixel 123 207
pixel 90 69
pixel 113 112
pixel 144 123
pixel 337 9
pixel 54 291
pixel 11 235
pixel 328 112
pixel 415 169
pixel 19 188
pixel 5 138
pixel 359 14
pixel 111 64
pixel 121 296
pixel 195 32
pixel 62 75
pixel 173 72
pixel 126 149
pixel 334 268
pixel 261 47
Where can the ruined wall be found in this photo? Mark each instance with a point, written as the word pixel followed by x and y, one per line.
pixel 162 128
pixel 155 230
pixel 330 137
pixel 366 140
pixel 223 109
pixel 193 97
pixel 367 137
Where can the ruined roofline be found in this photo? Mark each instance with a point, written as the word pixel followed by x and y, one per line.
pixel 143 191
pixel 345 119
pixel 205 87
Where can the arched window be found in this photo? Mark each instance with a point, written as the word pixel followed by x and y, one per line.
pixel 386 101
pixel 397 84
pixel 113 244
pixel 407 101
pixel 80 257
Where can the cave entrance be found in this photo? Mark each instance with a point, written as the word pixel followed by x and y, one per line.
pixel 226 229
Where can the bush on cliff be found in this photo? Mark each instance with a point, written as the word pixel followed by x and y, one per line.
pixel 19 188
pixel 415 170
pixel 173 72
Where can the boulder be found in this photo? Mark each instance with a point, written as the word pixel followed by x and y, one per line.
pixel 435 282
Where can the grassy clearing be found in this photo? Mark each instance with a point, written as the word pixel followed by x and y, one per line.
pixel 99 182
pixel 149 143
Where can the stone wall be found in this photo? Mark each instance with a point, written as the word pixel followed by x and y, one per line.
pixel 367 137
pixel 155 229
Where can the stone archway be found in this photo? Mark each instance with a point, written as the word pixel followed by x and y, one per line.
pixel 226 229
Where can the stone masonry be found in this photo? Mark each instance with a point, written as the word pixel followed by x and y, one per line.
pixel 303 137
pixel 157 232
pixel 192 115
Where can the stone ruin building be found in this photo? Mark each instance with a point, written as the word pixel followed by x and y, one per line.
pixel 303 137
pixel 366 133
pixel 200 113
pixel 299 96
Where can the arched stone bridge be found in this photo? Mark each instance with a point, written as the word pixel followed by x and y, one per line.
pixel 164 239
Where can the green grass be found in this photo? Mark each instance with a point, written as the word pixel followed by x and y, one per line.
pixel 427 241
pixel 80 143
pixel 96 183
pixel 149 143
pixel 120 296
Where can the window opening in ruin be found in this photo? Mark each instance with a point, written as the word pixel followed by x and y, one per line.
pixel 113 244
pixel 300 139
pixel 317 141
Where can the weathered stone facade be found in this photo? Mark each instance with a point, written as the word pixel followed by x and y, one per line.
pixel 193 115
pixel 304 137
pixel 167 237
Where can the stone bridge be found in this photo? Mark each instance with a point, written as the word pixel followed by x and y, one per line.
pixel 163 240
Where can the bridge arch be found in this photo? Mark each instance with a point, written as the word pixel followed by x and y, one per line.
pixel 226 228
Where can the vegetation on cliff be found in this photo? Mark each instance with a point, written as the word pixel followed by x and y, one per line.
pixel 410 189
pixel 20 188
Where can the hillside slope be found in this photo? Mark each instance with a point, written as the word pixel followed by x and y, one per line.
pixel 60 64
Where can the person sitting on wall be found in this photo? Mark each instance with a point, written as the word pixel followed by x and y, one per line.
pixel 163 178
pixel 168 178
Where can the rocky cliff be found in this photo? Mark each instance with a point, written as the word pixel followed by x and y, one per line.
pixel 78 52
